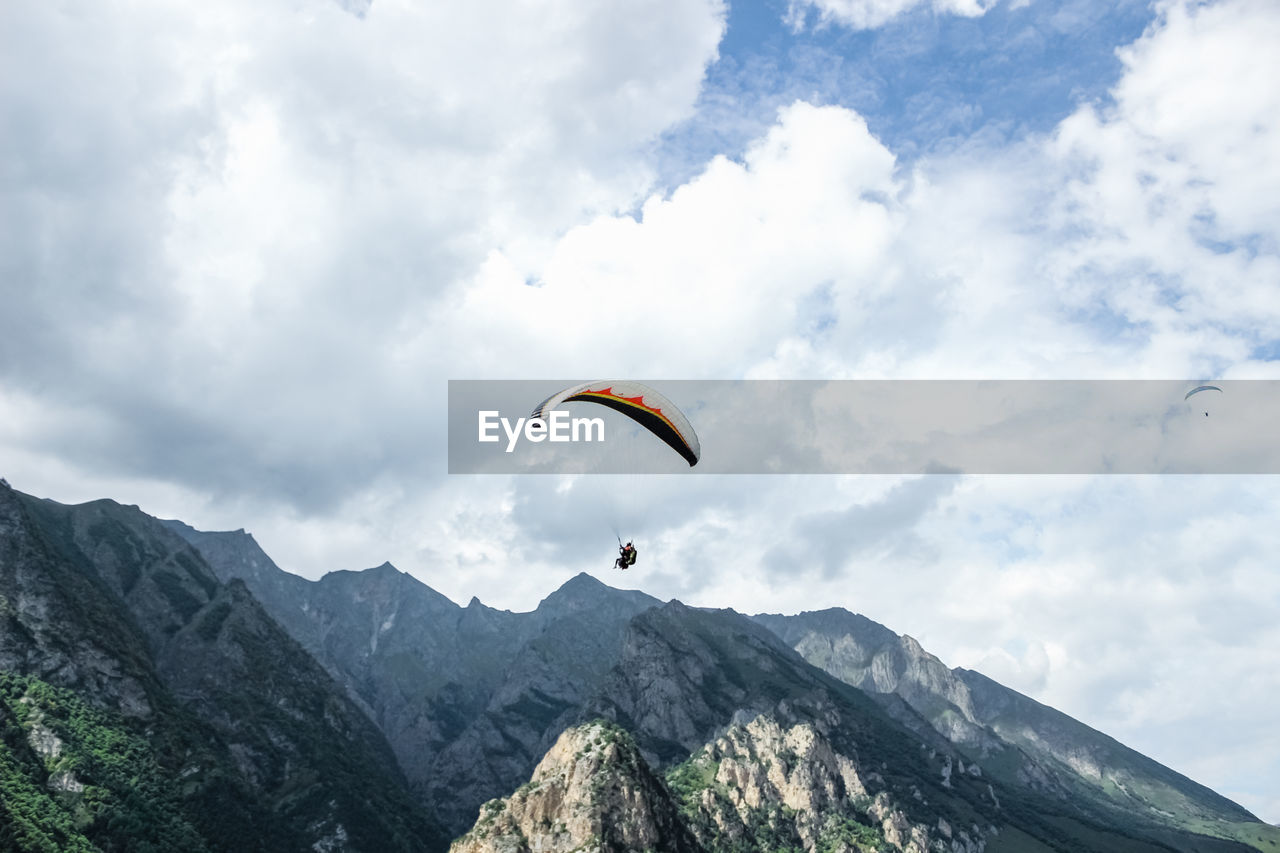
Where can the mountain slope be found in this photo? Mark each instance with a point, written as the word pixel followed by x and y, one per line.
pixel 1016 739
pixel 816 773
pixel 686 673
pixel 471 698
pixel 468 697
pixel 578 642
pixel 103 601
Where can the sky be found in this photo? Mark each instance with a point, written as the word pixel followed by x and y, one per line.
pixel 245 248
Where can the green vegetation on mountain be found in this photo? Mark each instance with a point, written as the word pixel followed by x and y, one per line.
pixel 74 778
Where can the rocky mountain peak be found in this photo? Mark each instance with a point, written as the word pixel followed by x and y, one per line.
pixel 912 646
pixel 384 576
pixel 578 591
pixel 584 593
pixel 591 791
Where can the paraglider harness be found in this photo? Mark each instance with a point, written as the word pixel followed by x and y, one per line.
pixel 626 556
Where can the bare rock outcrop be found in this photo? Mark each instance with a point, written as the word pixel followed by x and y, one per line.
pixel 591 793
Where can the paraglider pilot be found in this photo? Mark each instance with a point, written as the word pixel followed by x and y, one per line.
pixel 626 557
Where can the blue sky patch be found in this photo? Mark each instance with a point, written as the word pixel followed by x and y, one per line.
pixel 925 82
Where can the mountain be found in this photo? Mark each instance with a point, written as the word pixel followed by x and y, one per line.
pixel 763 751
pixel 468 697
pixel 671 675
pixel 141 695
pixel 1017 740
pixel 686 672
pixel 169 689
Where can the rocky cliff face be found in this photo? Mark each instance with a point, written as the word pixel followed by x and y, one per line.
pixel 58 622
pixel 808 759
pixel 1086 763
pixel 591 792
pixel 771 785
pixel 420 666
pixel 468 697
pixel 1017 740
pixel 105 602
pixel 762 785
pixel 873 658
pixel 574 642
pixel 801 778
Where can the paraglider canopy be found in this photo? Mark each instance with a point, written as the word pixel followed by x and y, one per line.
pixel 639 402
pixel 1200 389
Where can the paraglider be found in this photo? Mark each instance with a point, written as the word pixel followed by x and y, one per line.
pixel 639 402
pixel 626 556
pixel 1199 389
pixel 644 405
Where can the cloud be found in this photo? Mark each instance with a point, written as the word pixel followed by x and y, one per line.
pixel 830 540
pixel 1107 248
pixel 227 223
pixel 279 263
pixel 868 14
pixel 699 283
pixel 1169 598
pixel 1167 214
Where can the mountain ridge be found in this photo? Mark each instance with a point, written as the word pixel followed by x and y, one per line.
pixel 102 601
pixel 1015 737
pixel 468 701
pixel 927 691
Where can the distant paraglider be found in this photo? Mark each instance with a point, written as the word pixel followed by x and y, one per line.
pixel 639 402
pixel 1200 389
